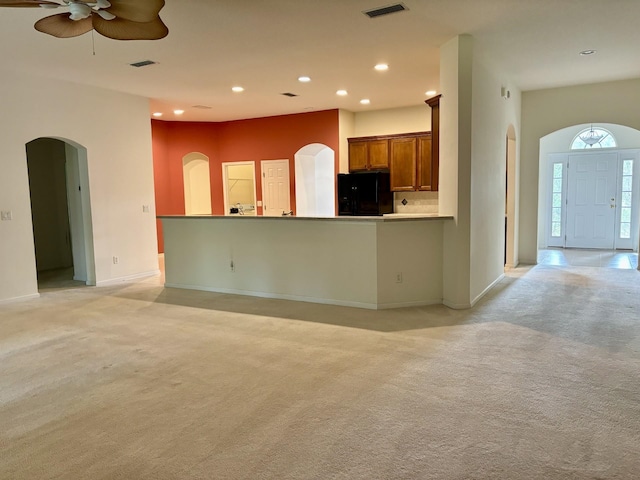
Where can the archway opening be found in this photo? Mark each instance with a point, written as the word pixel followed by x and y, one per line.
pixel 589 197
pixel 61 213
pixel 315 181
pixel 197 184
pixel 510 213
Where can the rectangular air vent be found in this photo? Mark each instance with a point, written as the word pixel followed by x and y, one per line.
pixel 143 63
pixel 289 94
pixel 379 12
pixel 202 107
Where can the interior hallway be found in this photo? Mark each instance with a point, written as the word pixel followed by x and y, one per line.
pixel 539 381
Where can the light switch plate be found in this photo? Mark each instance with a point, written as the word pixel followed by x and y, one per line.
pixel 6 215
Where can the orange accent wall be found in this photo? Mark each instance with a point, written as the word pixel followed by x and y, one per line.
pixel 269 138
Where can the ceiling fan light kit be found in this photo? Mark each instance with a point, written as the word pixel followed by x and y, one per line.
pixel 116 19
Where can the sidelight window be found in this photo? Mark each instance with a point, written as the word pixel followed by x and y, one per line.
pixel 556 200
pixel 625 199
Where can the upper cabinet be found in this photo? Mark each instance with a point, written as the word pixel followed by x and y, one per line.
pixel 368 153
pixel 411 164
pixel 413 159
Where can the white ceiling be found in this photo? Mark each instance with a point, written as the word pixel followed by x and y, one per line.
pixel 264 45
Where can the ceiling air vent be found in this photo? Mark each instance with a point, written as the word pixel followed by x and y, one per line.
pixel 143 63
pixel 289 94
pixel 202 107
pixel 379 12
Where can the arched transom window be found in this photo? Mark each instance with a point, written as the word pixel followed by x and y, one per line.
pixel 593 137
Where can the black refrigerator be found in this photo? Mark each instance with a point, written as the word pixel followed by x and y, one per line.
pixel 364 193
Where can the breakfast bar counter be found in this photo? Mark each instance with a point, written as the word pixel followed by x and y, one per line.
pixel 368 262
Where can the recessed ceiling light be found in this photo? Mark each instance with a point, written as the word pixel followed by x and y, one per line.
pixel 237 89
pixel 342 93
pixel 585 53
pixel 157 114
pixel 304 79
pixel 430 92
pixel 382 67
pixel 365 101
pixel 178 112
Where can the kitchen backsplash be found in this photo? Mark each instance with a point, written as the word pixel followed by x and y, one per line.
pixel 415 202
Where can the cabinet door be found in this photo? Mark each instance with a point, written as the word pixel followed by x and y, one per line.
pixel 378 154
pixel 357 156
pixel 403 164
pixel 425 168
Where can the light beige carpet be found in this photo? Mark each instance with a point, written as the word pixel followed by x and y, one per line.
pixel 540 381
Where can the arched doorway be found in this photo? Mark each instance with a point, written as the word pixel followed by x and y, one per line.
pixel 315 180
pixel 61 212
pixel 589 195
pixel 197 184
pixel 510 214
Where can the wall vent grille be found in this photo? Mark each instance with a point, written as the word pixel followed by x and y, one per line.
pixel 289 94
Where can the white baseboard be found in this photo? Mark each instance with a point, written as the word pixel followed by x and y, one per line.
pixel 296 298
pixel 127 278
pixel 19 299
pixel 484 292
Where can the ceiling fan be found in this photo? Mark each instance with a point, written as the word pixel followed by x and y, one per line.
pixel 117 19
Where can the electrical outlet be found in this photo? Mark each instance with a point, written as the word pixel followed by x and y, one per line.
pixel 5 215
pixel 399 277
pixel 115 260
pixel 145 208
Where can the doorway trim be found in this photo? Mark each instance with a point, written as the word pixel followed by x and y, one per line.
pixel 225 184
pixel 511 196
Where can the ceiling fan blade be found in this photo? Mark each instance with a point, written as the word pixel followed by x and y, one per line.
pixel 62 26
pixel 135 10
pixel 27 3
pixel 120 29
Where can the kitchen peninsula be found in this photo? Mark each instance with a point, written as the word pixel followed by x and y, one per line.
pixel 367 262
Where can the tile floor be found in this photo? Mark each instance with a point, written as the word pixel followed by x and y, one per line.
pixel 565 257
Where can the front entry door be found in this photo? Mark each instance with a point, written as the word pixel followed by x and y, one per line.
pixel 591 201
pixel 276 197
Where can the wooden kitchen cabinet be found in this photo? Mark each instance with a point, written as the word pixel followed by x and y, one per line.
pixel 425 171
pixel 411 164
pixel 403 164
pixel 368 153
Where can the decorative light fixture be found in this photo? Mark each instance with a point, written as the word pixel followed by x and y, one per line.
pixel 591 137
pixel 430 92
pixel 304 79
pixel 365 101
pixel 178 112
pixel 157 114
pixel 342 93
pixel 237 89
pixel 116 19
pixel 382 67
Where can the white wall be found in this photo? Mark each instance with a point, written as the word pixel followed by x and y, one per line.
pixel 492 116
pixel 344 262
pixel 116 131
pixel 393 120
pixel 346 129
pixel 474 123
pixel 545 111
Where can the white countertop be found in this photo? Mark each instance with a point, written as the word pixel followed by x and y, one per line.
pixel 389 217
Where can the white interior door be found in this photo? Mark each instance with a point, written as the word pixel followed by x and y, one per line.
pixel 591 200
pixel 276 197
